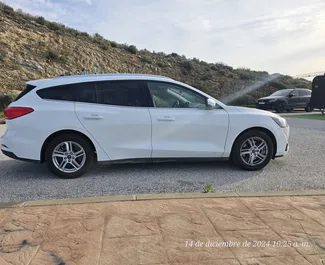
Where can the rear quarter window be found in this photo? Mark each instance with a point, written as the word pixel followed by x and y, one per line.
pixel 27 89
pixel 80 92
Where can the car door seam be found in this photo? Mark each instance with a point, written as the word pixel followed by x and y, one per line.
pixel 150 132
pixel 75 112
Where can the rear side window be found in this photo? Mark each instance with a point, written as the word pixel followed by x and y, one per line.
pixel 27 89
pixel 81 92
pixel 304 93
pixel 122 93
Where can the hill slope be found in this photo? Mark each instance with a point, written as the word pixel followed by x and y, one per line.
pixel 33 48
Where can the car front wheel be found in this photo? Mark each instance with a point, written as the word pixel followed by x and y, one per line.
pixel 280 107
pixel 69 156
pixel 252 150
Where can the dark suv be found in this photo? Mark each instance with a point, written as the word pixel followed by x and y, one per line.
pixel 286 100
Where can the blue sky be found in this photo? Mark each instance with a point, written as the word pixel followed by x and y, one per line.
pixel 285 36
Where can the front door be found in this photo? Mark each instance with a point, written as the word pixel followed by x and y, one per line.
pixel 181 124
pixel 293 100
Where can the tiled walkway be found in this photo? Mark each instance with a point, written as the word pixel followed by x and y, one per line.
pixel 234 231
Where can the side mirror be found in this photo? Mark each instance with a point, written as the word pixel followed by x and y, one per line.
pixel 291 95
pixel 211 104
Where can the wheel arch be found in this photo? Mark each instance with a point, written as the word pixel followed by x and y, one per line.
pixel 263 129
pixel 55 134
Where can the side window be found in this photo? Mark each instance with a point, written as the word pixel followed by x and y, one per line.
pixel 301 93
pixel 166 95
pixel 121 93
pixel 295 93
pixel 82 92
pixel 66 92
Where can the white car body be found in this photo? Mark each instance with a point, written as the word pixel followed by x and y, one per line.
pixel 123 132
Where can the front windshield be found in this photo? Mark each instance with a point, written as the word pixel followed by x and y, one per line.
pixel 283 92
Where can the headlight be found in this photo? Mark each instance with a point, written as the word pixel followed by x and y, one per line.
pixel 280 121
pixel 272 100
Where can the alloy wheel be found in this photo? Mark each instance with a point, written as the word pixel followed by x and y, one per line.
pixel 254 151
pixel 69 157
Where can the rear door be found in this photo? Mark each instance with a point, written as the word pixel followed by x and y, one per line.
pixel 120 121
pixel 304 98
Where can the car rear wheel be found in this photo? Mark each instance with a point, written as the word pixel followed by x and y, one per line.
pixel 308 108
pixel 69 156
pixel 253 150
pixel 280 108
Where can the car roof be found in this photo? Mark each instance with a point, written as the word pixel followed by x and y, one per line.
pixel 71 79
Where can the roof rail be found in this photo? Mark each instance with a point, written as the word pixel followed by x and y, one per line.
pixel 103 75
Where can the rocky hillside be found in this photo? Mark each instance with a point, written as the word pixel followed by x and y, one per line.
pixel 33 48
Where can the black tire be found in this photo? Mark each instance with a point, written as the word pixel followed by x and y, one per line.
pixel 83 142
pixel 280 107
pixel 308 108
pixel 237 158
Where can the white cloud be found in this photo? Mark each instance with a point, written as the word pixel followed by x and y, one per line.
pixel 277 36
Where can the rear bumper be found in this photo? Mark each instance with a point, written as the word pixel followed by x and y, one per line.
pixel 13 156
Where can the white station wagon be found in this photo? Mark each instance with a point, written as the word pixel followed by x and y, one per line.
pixel 72 122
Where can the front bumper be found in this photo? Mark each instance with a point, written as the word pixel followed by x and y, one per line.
pixel 282 136
pixel 267 106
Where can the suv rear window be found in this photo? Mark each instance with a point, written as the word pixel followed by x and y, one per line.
pixel 81 92
pixel 27 89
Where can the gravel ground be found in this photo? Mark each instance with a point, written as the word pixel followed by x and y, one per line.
pixel 302 169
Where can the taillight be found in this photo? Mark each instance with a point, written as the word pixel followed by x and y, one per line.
pixel 15 112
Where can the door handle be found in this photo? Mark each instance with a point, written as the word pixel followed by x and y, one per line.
pixel 166 118
pixel 93 117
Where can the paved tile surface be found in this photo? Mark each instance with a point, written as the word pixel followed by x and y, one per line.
pixel 233 231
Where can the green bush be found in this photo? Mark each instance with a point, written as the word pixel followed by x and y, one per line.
pixel 196 60
pixel 8 10
pixel 162 65
pixel 41 20
pixel 223 72
pixel 209 189
pixel 54 56
pixel 132 49
pixel 5 100
pixel 278 84
pixel 84 35
pixel 174 54
pixel 55 26
pixel 2 56
pixel 2 6
pixel 206 77
pixel 104 46
pixel 114 44
pixel 98 39
pixel 187 65
pixel 146 59
pixel 214 68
